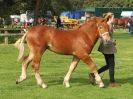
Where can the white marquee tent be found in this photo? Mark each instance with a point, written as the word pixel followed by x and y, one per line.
pixel 127 13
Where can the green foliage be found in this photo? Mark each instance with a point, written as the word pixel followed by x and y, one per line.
pixel 108 3
pixel 57 6
pixel 8 7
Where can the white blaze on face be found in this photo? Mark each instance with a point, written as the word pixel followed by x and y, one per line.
pixel 105 37
pixel 104 34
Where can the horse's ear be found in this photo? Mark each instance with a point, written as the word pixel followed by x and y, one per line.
pixel 106 18
pixel 104 14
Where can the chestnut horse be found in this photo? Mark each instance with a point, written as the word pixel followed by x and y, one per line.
pixel 78 43
pixel 115 23
pixel 121 22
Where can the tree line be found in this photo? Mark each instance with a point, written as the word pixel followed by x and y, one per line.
pixel 8 7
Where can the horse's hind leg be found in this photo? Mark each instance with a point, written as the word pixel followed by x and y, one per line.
pixel 25 63
pixel 35 67
pixel 72 67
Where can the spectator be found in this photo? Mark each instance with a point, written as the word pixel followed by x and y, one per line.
pixel 58 22
pixel 131 25
pixel 2 22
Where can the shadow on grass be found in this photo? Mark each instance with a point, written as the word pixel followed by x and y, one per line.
pixel 85 81
pixel 128 80
pixel 79 81
pixel 125 80
pixel 76 81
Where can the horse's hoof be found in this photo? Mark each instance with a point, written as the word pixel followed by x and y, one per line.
pixel 66 84
pixel 17 82
pixel 101 86
pixel 20 80
pixel 44 86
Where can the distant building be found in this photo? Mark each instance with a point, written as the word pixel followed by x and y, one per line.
pixel 98 11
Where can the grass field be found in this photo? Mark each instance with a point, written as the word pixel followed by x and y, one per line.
pixel 54 67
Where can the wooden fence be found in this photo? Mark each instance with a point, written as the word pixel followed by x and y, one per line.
pixel 5 32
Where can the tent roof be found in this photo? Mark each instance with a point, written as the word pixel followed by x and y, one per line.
pixel 89 9
pixel 14 16
pixel 127 13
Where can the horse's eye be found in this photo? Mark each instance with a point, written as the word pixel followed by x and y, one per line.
pixel 100 27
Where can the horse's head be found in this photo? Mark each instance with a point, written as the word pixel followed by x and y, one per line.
pixel 103 29
pixel 98 26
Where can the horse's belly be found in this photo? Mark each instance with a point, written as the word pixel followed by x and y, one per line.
pixel 60 49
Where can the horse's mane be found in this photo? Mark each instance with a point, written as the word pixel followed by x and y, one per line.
pixel 86 23
pixel 105 17
pixel 93 20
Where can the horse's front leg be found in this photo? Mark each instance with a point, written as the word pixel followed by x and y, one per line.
pixel 86 59
pixel 72 67
pixel 25 63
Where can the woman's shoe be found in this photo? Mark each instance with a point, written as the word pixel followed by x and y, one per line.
pixel 114 84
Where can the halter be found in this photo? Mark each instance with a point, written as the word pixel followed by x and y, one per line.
pixel 101 34
pixel 104 33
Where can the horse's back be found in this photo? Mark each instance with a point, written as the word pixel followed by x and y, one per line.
pixel 59 41
pixel 115 21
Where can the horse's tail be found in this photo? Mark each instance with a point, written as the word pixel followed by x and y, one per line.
pixel 19 44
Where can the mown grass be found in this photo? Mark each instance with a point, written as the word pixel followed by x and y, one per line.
pixel 54 67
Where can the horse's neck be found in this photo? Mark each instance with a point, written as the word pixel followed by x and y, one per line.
pixel 91 32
